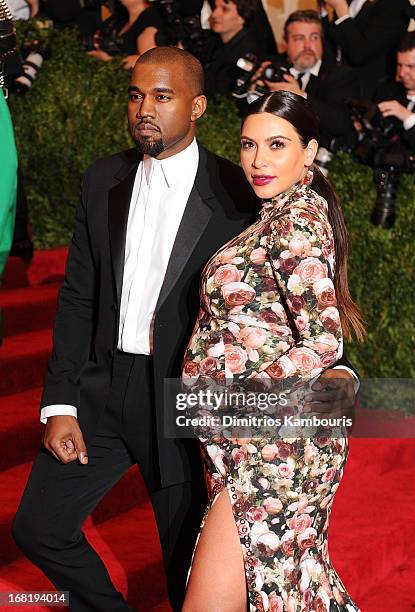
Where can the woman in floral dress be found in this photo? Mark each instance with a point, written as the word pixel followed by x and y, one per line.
pixel 274 306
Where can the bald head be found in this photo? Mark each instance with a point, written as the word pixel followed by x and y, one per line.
pixel 182 60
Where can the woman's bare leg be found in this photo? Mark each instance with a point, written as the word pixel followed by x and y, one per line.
pixel 217 580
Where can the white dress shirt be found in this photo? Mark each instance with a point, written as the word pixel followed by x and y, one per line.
pixel 306 73
pixel 160 194
pixel 409 122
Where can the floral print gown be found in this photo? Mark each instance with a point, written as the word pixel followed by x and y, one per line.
pixel 268 311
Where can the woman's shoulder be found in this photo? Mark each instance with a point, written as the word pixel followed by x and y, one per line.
pixel 307 213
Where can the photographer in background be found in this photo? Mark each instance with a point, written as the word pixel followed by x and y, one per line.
pixel 397 98
pixel 314 75
pixel 230 40
pixel 367 33
pixel 131 30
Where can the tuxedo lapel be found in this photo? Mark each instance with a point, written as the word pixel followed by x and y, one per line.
pixel 196 216
pixel 119 198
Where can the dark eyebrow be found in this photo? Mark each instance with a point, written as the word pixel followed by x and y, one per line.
pixel 277 136
pixel 270 139
pixel 163 90
pixel 134 88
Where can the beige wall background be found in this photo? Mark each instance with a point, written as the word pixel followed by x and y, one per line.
pixel 278 11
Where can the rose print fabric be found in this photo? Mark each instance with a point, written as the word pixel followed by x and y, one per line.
pixel 268 311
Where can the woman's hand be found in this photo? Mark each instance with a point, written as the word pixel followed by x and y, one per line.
pixel 100 54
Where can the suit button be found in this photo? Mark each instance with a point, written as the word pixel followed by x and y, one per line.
pixel 111 353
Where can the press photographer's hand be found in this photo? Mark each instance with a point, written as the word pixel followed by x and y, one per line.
pixel 256 78
pixel 392 108
pixel 289 83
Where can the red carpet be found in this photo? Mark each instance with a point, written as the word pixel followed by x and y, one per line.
pixel 372 532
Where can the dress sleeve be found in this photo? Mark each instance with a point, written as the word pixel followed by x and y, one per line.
pixel 300 247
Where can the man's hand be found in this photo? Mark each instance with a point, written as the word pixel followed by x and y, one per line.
pixel 34 7
pixel 333 394
pixel 63 438
pixel 288 84
pixel 339 6
pixel 392 108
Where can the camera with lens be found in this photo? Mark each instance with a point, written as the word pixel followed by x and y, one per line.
pixel 33 54
pixel 274 73
pixel 380 146
pixel 180 28
pixel 106 39
pixel 246 68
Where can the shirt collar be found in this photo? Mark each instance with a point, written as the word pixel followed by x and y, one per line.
pixel 175 167
pixel 314 70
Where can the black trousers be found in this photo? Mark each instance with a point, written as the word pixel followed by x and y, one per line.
pixel 59 498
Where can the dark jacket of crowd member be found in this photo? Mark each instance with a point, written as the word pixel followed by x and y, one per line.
pixel 220 69
pixel 396 91
pixel 368 41
pixel 259 27
pixel 396 99
pixel 329 93
pixel 127 40
pixel 67 13
pixel 230 40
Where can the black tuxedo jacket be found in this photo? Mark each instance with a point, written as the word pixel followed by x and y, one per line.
pixel 220 206
pixel 396 91
pixel 328 94
pixel 369 41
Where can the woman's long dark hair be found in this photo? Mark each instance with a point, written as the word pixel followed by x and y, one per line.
pixel 296 110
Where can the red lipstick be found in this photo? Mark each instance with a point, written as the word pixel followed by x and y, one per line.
pixel 262 179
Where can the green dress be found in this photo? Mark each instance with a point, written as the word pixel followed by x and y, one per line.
pixel 8 182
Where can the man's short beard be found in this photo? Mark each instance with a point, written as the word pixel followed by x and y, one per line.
pixel 150 147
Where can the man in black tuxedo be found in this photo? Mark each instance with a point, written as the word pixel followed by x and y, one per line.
pixel 314 74
pixel 397 98
pixel 367 33
pixel 146 224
